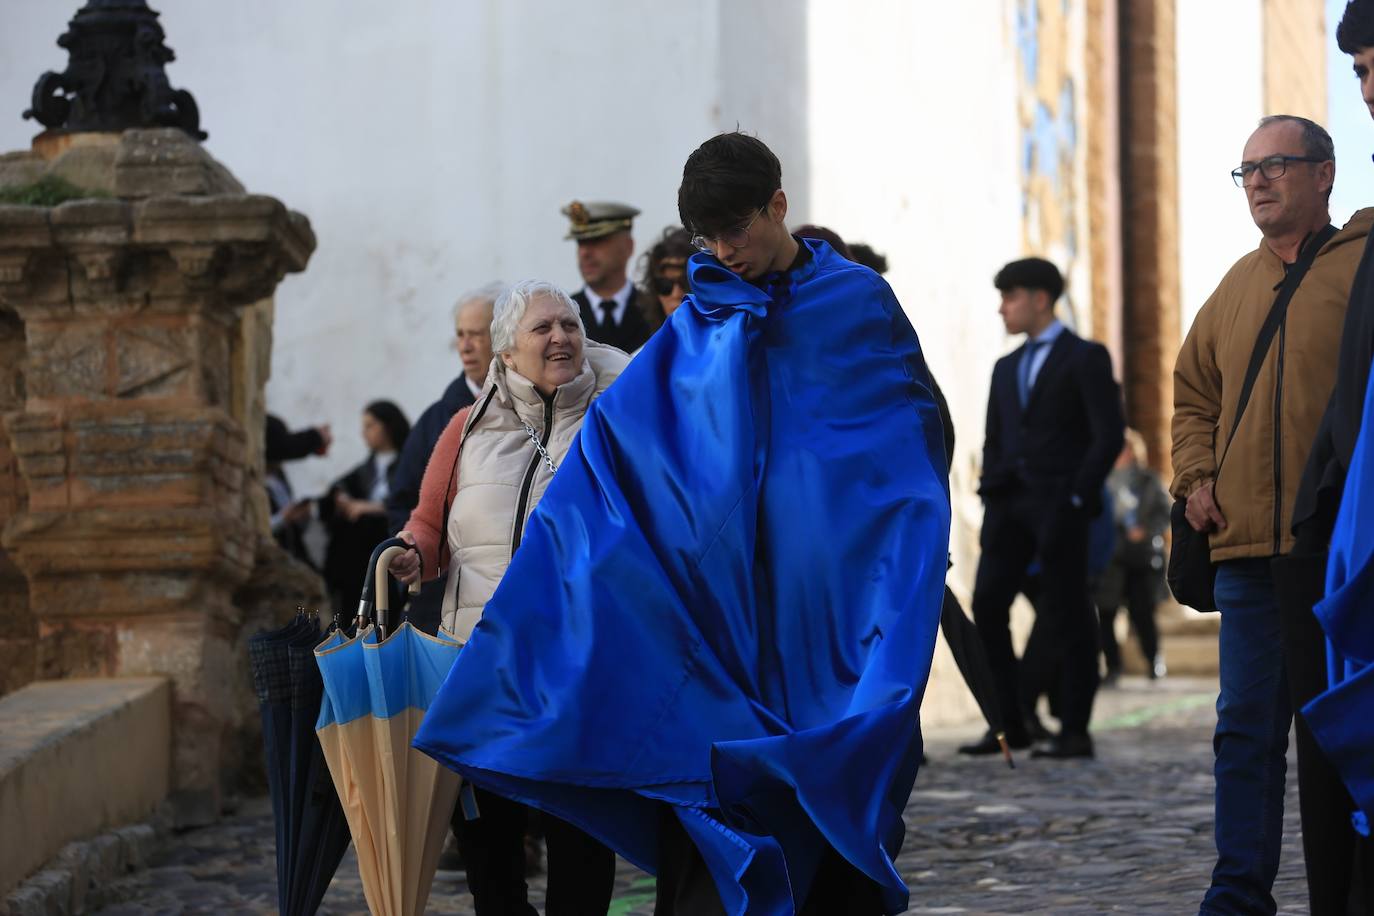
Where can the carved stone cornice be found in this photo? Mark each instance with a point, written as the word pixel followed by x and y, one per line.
pixel 234 247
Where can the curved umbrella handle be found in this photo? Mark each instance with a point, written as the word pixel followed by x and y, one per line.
pixel 374 594
pixel 380 587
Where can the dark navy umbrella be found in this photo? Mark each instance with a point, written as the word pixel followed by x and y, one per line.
pixel 311 832
pixel 961 635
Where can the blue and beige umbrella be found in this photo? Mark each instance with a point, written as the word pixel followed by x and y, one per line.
pixel 398 801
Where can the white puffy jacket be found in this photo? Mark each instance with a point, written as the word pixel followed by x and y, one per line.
pixel 501 475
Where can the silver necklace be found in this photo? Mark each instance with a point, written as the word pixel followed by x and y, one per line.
pixel 539 447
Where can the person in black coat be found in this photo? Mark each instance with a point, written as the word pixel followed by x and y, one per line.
pixel 614 311
pixel 1339 862
pixel 472 340
pixel 354 509
pixel 1054 430
pixel 289 515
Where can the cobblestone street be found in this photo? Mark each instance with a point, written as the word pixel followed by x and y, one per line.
pixel 1129 832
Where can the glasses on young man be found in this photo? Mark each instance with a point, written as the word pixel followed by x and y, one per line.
pixel 664 286
pixel 737 237
pixel 1271 167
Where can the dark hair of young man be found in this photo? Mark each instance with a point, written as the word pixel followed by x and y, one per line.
pixel 725 180
pixel 1356 31
pixel 862 253
pixel 1031 273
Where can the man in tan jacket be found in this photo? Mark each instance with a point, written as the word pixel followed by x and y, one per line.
pixel 1287 171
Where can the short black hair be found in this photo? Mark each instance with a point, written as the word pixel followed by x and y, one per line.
pixel 863 253
pixel 1356 31
pixel 725 179
pixel 1031 273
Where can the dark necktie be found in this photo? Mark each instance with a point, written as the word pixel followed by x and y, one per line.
pixel 608 313
pixel 1023 376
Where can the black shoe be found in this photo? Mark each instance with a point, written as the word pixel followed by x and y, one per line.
pixel 988 744
pixel 1063 747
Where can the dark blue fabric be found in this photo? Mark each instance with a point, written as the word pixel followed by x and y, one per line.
pixel 409 471
pixel 1253 715
pixel 728 597
pixel 311 831
pixel 1342 719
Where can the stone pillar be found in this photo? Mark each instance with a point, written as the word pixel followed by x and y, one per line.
pixel 1103 130
pixel 18 658
pixel 1295 44
pixel 1149 153
pixel 142 515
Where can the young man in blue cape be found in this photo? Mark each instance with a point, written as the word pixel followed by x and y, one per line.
pixel 710 649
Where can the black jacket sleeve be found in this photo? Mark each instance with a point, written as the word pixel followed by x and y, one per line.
pixel 1102 404
pixel 1323 479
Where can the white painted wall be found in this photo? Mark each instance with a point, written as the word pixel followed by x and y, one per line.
pixel 1220 101
pixel 432 146
pixel 927 172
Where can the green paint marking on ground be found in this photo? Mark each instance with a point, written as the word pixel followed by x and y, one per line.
pixel 622 905
pixel 644 885
pixel 1140 716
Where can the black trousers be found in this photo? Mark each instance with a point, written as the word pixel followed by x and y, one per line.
pixel 1140 586
pixel 685 886
pixel 1018 528
pixel 1339 862
pixel 581 871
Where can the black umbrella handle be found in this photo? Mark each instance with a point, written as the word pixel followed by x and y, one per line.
pixel 374 595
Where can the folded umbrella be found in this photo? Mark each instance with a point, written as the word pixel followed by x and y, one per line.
pixel 397 801
pixel 310 832
pixel 961 634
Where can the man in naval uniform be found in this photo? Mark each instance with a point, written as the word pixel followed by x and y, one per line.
pixel 613 309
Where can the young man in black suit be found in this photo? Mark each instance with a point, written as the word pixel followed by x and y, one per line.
pixel 1054 429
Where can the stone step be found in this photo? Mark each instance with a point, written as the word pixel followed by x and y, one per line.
pixel 78 757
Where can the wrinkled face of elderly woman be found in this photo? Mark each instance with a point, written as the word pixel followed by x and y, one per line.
pixel 548 345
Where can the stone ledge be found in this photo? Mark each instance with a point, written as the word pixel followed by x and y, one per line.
pixel 78 757
pixel 82 877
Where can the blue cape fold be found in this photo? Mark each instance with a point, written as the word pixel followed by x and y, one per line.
pixel 1342 718
pixel 728 597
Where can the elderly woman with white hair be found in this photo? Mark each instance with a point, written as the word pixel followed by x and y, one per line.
pixel 486 475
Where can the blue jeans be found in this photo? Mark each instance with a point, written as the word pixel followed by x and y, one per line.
pixel 1251 741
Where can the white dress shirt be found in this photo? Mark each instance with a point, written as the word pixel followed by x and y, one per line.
pixel 622 300
pixel 1048 337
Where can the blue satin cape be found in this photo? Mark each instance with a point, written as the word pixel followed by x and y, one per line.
pixel 1342 718
pixel 727 599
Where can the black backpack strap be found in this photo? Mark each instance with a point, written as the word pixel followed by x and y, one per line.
pixel 1272 321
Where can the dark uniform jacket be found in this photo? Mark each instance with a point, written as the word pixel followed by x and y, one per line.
pixel 634 327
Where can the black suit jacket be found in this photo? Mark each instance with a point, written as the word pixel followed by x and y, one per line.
pixel 1070 433
pixel 632 331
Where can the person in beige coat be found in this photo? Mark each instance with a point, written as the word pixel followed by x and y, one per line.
pixel 1287 171
pixel 485 477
